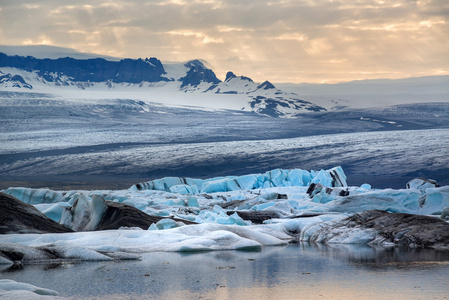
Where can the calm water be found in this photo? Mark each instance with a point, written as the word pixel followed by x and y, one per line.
pixel 292 272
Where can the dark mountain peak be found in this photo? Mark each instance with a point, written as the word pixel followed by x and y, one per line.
pixel 197 74
pixel 229 76
pixel 93 69
pixel 266 85
pixel 196 63
pixel 154 62
pixel 246 78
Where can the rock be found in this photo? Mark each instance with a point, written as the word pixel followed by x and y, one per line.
pixel 119 215
pixel 378 227
pixel 256 217
pixel 19 217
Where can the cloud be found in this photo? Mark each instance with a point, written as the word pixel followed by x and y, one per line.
pixel 283 40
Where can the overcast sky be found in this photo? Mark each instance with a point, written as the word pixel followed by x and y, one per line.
pixel 277 40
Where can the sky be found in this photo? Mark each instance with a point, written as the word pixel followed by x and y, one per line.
pixel 317 41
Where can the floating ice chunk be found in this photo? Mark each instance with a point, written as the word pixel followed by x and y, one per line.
pixel 283 208
pixel 298 224
pixel 227 237
pixel 174 202
pixel 436 200
pixel 167 224
pixel 158 212
pixel 137 202
pixel 247 182
pixel 323 233
pixel 166 183
pixel 209 236
pixel 217 209
pixel 85 214
pixel 20 252
pixel 192 202
pixel 215 240
pixel 233 219
pixel 221 185
pixel 421 184
pixel 68 250
pixel 53 211
pixel 299 177
pixel 184 189
pixel 11 285
pixel 238 220
pixel 277 177
pixel 218 215
pixel 322 197
pixel 366 186
pixel 334 177
pixel 406 201
pixel 35 196
pixel 263 206
pixel 153 227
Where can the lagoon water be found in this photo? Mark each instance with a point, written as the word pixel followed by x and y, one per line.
pixel 297 271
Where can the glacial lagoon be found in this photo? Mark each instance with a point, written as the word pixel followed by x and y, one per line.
pixel 296 271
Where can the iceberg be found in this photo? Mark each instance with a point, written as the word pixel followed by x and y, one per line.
pixel 221 213
pixel 376 227
pixel 334 177
pixel 97 245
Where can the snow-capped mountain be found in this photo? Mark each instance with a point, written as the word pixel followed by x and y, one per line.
pixel 59 75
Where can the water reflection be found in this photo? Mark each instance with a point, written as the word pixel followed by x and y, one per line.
pixel 379 257
pixel 337 271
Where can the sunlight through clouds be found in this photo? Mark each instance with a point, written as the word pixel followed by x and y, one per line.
pixel 284 40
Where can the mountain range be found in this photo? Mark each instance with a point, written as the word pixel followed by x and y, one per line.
pixel 53 75
pixel 66 73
